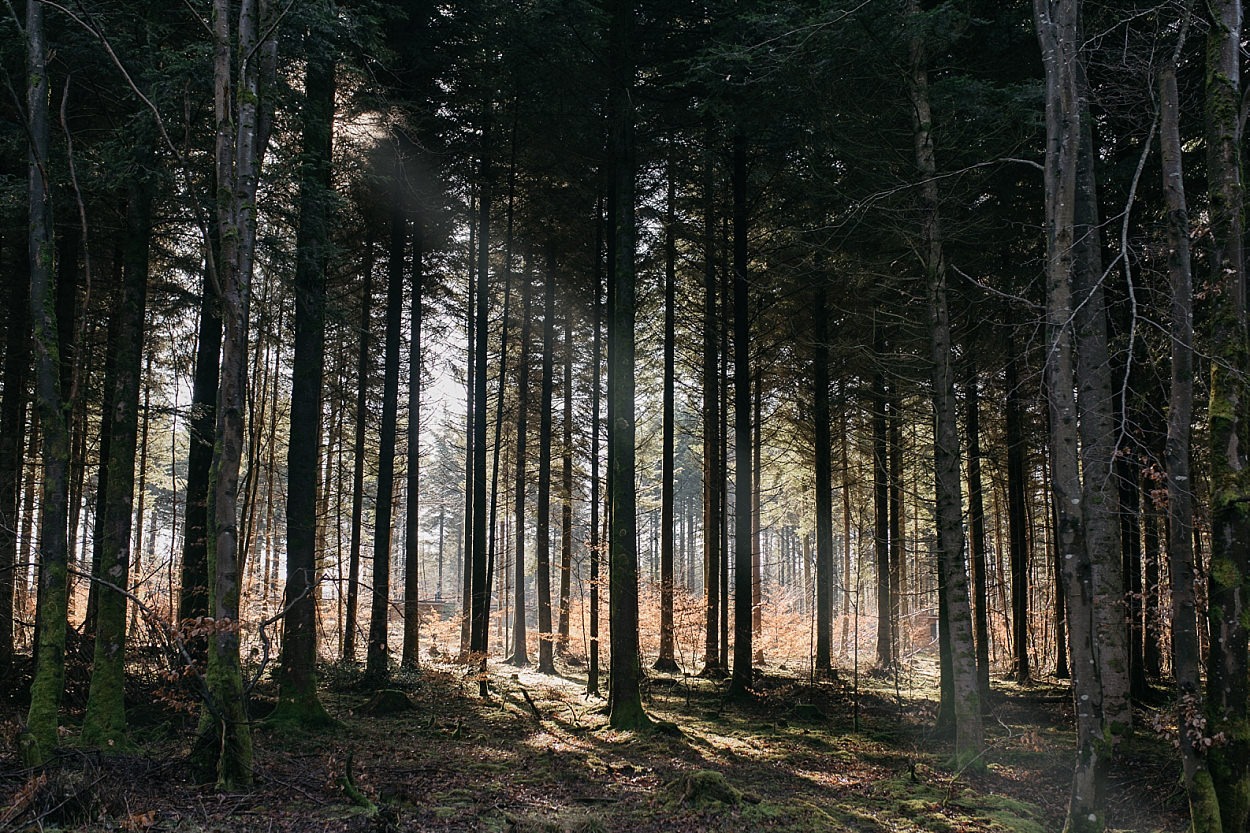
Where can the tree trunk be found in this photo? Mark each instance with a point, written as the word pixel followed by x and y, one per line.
pixel 596 546
pixel 12 444
pixel 225 736
pixel 666 660
pixel 711 432
pixel 969 735
pixel 412 512
pixel 881 507
pixel 824 481
pixel 1096 428
pixel 1204 806
pixel 358 451
pixel 1017 521
pixel 743 655
pixel 298 702
pixel 104 724
pixel 566 491
pixel 626 671
pixel 1229 571
pixel 1058 31
pixel 542 544
pixel 377 660
pixel 477 518
pixel 976 535
pixel 49 678
pixel 470 380
pixel 520 649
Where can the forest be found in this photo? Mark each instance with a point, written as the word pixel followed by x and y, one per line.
pixel 586 415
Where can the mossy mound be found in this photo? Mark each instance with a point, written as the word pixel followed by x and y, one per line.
pixel 702 788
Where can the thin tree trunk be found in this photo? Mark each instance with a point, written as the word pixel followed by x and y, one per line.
pixel 667 661
pixel 542 545
pixel 743 655
pixel 824 481
pixel 711 432
pixel 520 648
pixel 881 507
pixel 1204 806
pixel 596 545
pixel 477 518
pixel 1016 521
pixel 566 491
pixel 377 660
pixel 976 532
pixel 412 512
pixel 470 380
pixel 363 356
pixel 13 439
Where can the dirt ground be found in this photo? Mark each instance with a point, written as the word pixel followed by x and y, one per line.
pixel 827 755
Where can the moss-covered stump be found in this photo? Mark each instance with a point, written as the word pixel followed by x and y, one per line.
pixel 385 702
pixel 702 788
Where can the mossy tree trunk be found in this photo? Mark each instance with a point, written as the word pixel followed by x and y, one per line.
pixel 105 722
pixel 1228 612
pixel 49 680
pixel 242 135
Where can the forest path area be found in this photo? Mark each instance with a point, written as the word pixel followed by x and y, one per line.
pixel 537 757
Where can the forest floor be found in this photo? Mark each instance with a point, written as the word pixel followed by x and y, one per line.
pixel 537 756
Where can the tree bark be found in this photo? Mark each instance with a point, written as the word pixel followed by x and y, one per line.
pixel 377 660
pixel 412 486
pixel 1058 30
pixel 711 432
pixel 48 684
pixel 358 452
pixel 626 671
pixel 667 661
pixel 743 659
pixel 297 673
pixel 542 543
pixel 520 649
pixel 976 535
pixel 881 506
pixel 104 724
pixel 1017 522
pixel 1228 677
pixel 13 438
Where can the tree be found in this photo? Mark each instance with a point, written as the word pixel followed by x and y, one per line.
pixel 242 135
pixel 520 650
pixel 1228 672
pixel 626 671
pixel 542 543
pixel 48 685
pixel 666 660
pixel 298 702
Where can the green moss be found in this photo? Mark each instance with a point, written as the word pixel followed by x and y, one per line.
pixel 1224 572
